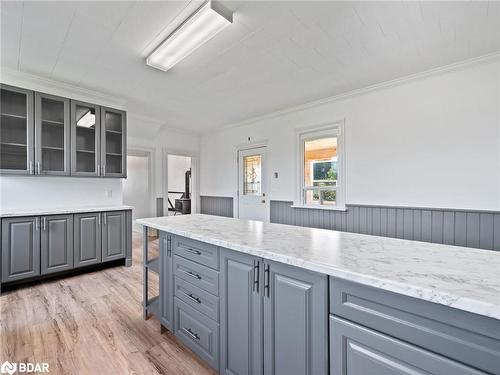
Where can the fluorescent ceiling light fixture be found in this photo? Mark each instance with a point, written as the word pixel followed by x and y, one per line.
pixel 198 29
pixel 87 120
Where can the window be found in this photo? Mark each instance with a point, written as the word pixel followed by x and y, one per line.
pixel 252 167
pixel 321 168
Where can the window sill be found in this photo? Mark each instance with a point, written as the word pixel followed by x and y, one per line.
pixel 343 209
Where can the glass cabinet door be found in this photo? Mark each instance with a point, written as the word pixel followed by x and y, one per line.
pixel 52 135
pixel 113 143
pixel 16 131
pixel 85 139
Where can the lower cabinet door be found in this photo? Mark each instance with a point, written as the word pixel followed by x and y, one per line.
pixel 240 314
pixel 56 243
pixel 295 320
pixel 20 248
pixel 113 235
pixel 87 239
pixel 198 332
pixel 356 350
pixel 166 281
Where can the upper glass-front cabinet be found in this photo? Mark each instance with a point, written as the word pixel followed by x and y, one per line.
pixel 42 134
pixel 52 135
pixel 113 136
pixel 85 139
pixel 16 131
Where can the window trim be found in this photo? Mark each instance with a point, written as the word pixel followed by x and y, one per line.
pixel 335 129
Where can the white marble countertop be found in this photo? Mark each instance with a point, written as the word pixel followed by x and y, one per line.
pixel 61 210
pixel 459 277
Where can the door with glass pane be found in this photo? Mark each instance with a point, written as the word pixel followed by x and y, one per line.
pixel 114 138
pixel 16 131
pixel 52 135
pixel 85 139
pixel 253 203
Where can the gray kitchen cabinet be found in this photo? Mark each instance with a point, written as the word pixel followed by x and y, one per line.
pixel 113 235
pixel 241 314
pixel 113 143
pixel 85 139
pixel 166 281
pixel 56 248
pixel 274 317
pixel 20 248
pixel 52 135
pixel 87 239
pixel 460 336
pixel 357 350
pixel 16 131
pixel 197 332
pixel 295 320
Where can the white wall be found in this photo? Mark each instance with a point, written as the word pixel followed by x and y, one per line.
pixel 429 142
pixel 58 192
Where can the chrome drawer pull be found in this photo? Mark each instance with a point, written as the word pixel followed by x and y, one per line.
pixel 193 251
pixel 193 298
pixel 191 334
pixel 192 274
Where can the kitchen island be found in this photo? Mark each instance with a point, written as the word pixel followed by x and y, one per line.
pixel 253 297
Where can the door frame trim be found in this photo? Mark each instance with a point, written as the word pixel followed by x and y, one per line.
pixel 195 180
pixel 236 197
pixel 147 152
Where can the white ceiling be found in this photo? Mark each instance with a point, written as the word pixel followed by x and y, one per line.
pixel 275 55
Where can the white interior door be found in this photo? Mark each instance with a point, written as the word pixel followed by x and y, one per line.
pixel 253 202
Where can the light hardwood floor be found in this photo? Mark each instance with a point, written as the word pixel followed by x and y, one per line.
pixel 91 324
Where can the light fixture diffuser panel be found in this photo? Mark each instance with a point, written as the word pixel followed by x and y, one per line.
pixel 198 29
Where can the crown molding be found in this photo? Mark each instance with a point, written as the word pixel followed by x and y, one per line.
pixel 50 86
pixel 350 94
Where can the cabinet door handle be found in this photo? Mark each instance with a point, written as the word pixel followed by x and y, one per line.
pixel 98 170
pixel 256 266
pixel 191 334
pixel 37 224
pixel 192 274
pixel 192 297
pixel 31 167
pixel 38 168
pixel 99 218
pixel 266 280
pixel 44 223
pixel 193 251
pixel 104 218
pixel 104 169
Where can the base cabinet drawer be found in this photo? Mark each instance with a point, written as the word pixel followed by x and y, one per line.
pixel 356 350
pixel 197 251
pixel 198 332
pixel 197 298
pixel 196 274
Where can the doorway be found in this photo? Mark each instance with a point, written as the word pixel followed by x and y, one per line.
pixel 179 185
pixel 253 203
pixel 137 187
